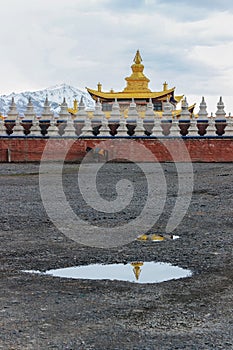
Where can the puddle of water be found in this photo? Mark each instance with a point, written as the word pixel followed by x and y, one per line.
pixel 139 272
pixel 175 237
pixel 157 238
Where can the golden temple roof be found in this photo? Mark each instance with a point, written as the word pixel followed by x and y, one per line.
pixel 137 86
pixel 179 98
pixel 129 94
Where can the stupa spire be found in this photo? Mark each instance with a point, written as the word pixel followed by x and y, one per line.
pixel 115 114
pixel 167 110
pixel 202 114
pixel 137 82
pixel 137 58
pixel 81 111
pixel 64 114
pixel 81 104
pixel 185 114
pixel 98 109
pixel 29 112
pixel 46 113
pixel 149 109
pixel 133 109
pixel 13 112
pixel 220 113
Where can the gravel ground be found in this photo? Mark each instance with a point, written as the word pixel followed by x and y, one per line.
pixel 45 312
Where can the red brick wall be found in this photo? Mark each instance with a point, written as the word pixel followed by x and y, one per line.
pixel 199 150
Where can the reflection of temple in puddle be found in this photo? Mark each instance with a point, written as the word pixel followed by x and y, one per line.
pixel 137 268
pixel 137 272
pixel 156 237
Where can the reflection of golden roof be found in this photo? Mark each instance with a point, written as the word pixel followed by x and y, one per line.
pixel 155 237
pixel 137 268
pixel 143 238
pixel 129 95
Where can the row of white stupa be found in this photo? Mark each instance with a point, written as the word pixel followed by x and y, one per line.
pixel 98 117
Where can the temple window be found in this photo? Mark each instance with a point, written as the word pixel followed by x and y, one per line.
pixel 107 107
pixel 158 106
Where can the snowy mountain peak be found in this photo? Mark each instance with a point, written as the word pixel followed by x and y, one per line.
pixel 55 95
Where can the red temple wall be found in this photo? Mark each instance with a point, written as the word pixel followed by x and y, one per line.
pixel 199 149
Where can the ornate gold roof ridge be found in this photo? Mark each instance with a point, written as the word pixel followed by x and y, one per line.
pixel 130 94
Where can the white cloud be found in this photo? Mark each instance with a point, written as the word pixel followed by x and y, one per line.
pixel 86 41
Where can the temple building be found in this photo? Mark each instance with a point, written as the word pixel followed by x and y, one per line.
pixel 137 89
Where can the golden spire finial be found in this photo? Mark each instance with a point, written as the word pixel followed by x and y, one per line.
pixel 75 104
pixel 99 87
pixel 74 110
pixel 137 81
pixel 137 58
pixel 165 86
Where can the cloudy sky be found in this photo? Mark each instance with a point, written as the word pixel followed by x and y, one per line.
pixel 81 42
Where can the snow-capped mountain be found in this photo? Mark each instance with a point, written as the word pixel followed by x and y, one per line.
pixel 55 96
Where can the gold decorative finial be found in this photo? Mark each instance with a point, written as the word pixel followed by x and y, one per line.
pixel 137 58
pixel 75 105
pixel 165 86
pixel 99 86
pixel 74 110
pixel 137 81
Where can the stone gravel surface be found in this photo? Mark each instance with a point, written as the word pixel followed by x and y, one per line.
pixel 45 312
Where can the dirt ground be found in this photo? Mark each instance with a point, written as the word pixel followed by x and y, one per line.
pixel 45 312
